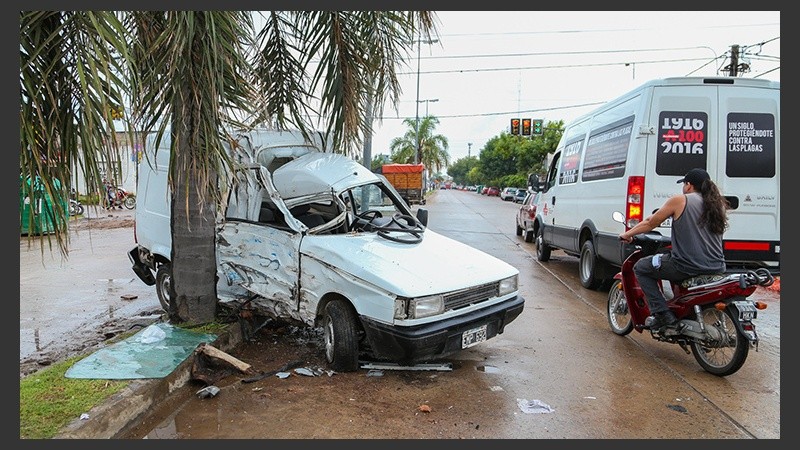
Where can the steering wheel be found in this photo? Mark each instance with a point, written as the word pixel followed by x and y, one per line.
pixel 402 223
pixel 366 216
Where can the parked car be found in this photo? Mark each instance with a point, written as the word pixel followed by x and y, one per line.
pixel 508 193
pixel 484 190
pixel 519 197
pixel 493 191
pixel 526 216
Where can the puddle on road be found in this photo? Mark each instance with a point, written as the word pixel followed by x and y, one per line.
pixel 488 369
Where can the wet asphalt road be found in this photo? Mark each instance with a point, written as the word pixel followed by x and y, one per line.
pixel 69 303
pixel 560 352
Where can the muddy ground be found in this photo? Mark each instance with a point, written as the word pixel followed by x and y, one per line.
pixel 368 404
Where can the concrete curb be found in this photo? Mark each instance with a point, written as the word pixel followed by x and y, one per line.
pixel 128 408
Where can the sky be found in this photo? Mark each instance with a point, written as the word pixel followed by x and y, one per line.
pixel 491 66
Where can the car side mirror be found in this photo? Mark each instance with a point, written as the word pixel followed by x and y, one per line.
pixel 422 216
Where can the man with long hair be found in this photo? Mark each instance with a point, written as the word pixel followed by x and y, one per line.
pixel 699 218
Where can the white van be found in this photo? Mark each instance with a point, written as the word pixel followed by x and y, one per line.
pixel 315 238
pixel 628 155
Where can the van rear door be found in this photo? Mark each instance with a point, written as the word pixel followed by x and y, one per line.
pixel 747 173
pixel 732 131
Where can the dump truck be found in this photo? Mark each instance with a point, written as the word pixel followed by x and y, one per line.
pixel 408 179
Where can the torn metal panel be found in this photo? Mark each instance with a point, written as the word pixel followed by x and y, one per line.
pixel 261 260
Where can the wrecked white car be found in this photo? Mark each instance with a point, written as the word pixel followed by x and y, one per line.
pixel 314 237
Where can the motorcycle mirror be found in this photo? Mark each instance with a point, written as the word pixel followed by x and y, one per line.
pixel 618 217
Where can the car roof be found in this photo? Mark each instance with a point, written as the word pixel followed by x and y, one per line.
pixel 317 172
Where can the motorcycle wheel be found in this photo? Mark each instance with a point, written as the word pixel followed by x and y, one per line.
pixel 130 202
pixel 163 282
pixel 726 356
pixel 619 317
pixel 79 210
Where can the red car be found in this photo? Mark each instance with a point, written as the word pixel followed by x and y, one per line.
pixel 493 191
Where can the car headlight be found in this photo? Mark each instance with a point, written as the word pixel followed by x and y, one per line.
pixel 507 286
pixel 425 306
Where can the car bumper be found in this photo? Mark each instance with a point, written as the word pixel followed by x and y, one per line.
pixel 417 344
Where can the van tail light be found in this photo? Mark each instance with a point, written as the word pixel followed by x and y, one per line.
pixel 633 202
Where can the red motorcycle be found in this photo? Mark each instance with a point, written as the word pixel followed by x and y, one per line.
pixel 118 197
pixel 714 312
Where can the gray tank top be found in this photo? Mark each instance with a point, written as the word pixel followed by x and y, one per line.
pixel 695 249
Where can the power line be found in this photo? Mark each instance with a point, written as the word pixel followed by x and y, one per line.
pixel 504 113
pixel 561 66
pixel 580 52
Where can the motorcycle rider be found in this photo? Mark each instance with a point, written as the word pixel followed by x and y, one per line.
pixel 699 218
pixel 111 194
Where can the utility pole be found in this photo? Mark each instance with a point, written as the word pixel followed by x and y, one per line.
pixel 735 67
pixel 469 149
pixel 368 138
pixel 416 128
pixel 734 60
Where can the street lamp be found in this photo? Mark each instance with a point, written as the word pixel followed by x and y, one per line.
pixel 416 127
pixel 432 100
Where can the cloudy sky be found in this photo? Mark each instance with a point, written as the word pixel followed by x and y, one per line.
pixel 491 66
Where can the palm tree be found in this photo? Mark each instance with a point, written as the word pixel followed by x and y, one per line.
pixel 193 74
pixel 69 92
pixel 432 150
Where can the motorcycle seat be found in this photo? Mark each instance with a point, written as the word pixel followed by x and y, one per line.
pixel 700 280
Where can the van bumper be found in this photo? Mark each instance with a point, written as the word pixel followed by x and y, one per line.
pixel 418 344
pixel 141 269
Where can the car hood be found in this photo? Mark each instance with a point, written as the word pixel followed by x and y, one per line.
pixel 435 265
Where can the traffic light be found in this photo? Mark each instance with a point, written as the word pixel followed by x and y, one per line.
pixel 526 127
pixel 537 127
pixel 514 126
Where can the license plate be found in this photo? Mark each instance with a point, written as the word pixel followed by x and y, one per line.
pixel 667 223
pixel 747 311
pixel 473 337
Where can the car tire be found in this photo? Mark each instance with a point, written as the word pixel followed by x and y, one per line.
pixel 163 283
pixel 590 267
pixel 519 230
pixel 542 249
pixel 340 329
pixel 528 235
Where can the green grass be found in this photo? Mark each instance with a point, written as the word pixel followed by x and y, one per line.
pixel 48 401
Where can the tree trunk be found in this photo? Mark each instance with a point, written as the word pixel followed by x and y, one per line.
pixel 194 266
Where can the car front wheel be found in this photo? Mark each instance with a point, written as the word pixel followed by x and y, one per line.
pixel 340 328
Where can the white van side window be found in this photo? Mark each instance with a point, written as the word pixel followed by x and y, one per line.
pixel 570 161
pixel 607 151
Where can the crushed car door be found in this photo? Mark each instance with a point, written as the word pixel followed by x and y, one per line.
pixel 257 251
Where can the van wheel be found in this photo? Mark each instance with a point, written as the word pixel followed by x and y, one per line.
pixel 519 230
pixel 589 267
pixel 163 283
pixel 341 336
pixel 542 249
